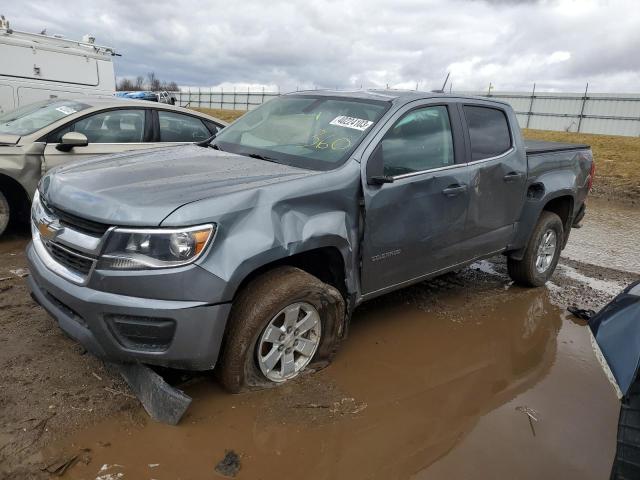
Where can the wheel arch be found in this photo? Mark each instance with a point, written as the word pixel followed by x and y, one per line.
pixel 17 197
pixel 327 263
pixel 563 207
pixel 561 203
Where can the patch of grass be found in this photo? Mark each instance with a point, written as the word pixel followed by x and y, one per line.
pixel 226 115
pixel 617 161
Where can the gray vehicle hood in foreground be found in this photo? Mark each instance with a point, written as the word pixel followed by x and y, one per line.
pixel 142 188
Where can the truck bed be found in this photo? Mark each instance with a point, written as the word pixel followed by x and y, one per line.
pixel 539 146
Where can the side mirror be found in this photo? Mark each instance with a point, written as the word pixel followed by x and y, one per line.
pixel 72 139
pixel 375 168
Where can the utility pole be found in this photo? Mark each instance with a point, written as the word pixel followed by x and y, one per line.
pixel 533 95
pixel 584 101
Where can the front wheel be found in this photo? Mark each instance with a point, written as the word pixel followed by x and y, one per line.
pixel 282 323
pixel 541 255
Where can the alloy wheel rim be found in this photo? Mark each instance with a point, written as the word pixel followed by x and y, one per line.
pixel 289 341
pixel 546 251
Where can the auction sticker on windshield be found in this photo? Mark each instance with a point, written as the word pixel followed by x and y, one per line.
pixel 351 122
pixel 66 110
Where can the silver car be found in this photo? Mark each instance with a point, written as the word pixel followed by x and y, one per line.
pixel 40 136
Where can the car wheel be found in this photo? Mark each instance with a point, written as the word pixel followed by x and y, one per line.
pixel 283 323
pixel 5 213
pixel 542 253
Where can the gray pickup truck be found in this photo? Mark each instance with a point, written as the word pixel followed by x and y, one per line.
pixel 249 252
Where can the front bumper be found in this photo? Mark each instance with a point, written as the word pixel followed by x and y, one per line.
pixel 87 316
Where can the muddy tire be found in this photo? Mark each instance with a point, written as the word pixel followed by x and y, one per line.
pixel 541 255
pixel 5 213
pixel 265 331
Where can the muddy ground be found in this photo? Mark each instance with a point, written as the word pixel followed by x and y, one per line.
pixel 465 376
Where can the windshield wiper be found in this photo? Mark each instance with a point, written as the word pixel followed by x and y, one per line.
pixel 260 157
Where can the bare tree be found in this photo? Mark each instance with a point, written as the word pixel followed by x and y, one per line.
pixel 154 82
pixel 125 85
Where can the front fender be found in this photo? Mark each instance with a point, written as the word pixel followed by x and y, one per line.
pixel 260 226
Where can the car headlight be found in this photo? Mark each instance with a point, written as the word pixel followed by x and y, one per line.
pixel 136 249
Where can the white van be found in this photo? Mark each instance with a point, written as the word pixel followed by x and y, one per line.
pixel 37 67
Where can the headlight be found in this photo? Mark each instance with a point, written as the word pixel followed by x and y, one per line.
pixel 135 249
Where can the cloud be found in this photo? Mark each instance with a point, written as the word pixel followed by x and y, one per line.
pixel 560 44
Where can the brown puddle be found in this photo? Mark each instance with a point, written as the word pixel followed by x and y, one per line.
pixel 426 386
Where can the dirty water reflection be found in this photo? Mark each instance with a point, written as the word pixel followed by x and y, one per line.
pixel 417 375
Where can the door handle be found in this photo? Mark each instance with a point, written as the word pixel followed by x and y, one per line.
pixel 453 190
pixel 512 177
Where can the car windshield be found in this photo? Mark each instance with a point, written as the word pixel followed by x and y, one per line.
pixel 33 117
pixel 307 131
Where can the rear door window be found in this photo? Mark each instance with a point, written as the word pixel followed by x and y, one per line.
pixel 488 131
pixel 176 127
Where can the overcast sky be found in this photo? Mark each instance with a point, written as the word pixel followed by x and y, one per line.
pixel 292 44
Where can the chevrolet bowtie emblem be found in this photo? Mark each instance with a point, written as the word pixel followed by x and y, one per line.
pixel 49 230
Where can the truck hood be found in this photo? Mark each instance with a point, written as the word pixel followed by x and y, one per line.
pixel 141 188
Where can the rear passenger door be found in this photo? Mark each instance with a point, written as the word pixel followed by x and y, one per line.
pixel 414 225
pixel 175 128
pixel 110 131
pixel 498 174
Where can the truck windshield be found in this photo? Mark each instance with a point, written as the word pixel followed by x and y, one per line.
pixel 307 131
pixel 33 117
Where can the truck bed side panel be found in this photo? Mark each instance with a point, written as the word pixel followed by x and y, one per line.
pixel 555 174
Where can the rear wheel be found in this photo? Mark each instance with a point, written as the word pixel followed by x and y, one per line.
pixel 284 322
pixel 542 253
pixel 5 212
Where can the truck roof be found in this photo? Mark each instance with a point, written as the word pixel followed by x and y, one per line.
pixel 391 95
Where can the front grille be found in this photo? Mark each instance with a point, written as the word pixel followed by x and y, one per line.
pixel 70 259
pixel 77 223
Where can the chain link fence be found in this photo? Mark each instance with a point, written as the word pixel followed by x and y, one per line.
pixel 231 99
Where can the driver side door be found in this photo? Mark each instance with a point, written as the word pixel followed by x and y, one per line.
pixel 415 221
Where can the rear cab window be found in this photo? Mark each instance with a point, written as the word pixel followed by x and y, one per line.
pixel 488 131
